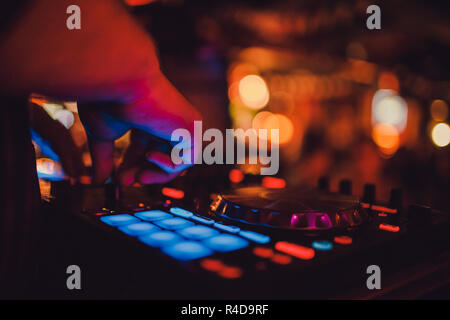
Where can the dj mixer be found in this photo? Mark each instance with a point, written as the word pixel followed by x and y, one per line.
pixel 249 243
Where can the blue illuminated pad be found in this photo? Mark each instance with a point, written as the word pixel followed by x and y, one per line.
pixel 160 239
pixel 187 250
pixel 174 223
pixel 256 237
pixel 181 212
pixel 203 220
pixel 152 215
pixel 227 228
pixel 119 220
pixel 138 229
pixel 198 232
pixel 226 242
pixel 322 245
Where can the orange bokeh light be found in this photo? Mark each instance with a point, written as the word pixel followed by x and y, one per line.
pixel 267 120
pixel 388 80
pixel 236 175
pixel 253 91
pixel 273 183
pixel 386 136
pixel 172 193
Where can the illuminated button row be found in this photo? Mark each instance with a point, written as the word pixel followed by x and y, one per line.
pixel 169 233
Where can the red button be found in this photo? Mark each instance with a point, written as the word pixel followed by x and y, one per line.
pixel 343 239
pixel 263 252
pixel 388 227
pixel 295 250
pixel 281 258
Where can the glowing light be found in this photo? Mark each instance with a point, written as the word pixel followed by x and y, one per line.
pixel 230 272
pixel 295 250
pixel 254 236
pixel 286 128
pixel 383 209
pixel 46 166
pixel 227 228
pixel 138 2
pixel 439 110
pixel 173 223
pixel 212 264
pixel 226 243
pixel 386 137
pixel 441 134
pixel 273 183
pixel 52 108
pixel 65 117
pixel 119 220
pixel 160 239
pixel 263 252
pixel 343 240
pixel 388 227
pixel 138 228
pixel 281 259
pixel 389 108
pixel 269 121
pixel 181 212
pixel 172 193
pixel 260 119
pixel 322 245
pixel 187 250
pixel 152 215
pixel 388 80
pixel 198 232
pixel 254 92
pixel 236 175
pixel 49 169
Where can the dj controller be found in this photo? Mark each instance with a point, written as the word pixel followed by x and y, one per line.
pixel 249 242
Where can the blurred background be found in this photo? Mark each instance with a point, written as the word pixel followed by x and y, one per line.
pixel 353 103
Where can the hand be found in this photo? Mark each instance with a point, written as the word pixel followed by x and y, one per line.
pixel 111 68
pixel 153 111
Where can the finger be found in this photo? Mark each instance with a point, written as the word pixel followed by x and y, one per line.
pixel 150 176
pixel 127 177
pixel 133 158
pixel 164 161
pixel 158 108
pixel 101 131
pixel 102 153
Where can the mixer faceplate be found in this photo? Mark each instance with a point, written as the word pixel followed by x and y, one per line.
pixel 299 208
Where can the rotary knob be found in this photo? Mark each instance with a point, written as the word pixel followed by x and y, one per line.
pixel 324 184
pixel 345 186
pixel 369 193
